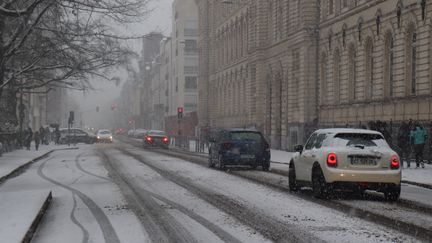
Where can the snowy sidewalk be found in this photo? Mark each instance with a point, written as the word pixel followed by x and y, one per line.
pixel 20 225
pixel 11 161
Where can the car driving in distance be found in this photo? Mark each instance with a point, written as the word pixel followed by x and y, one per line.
pixel 239 147
pixel 156 138
pixel 104 136
pixel 346 159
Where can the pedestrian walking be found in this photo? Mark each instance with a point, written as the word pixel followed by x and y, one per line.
pixel 37 139
pixel 419 137
pixel 57 136
pixel 404 144
pixel 28 138
pixel 42 134
pixel 47 136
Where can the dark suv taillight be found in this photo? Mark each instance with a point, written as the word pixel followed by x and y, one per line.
pixel 226 145
pixel 331 160
pixel 394 162
pixel 266 146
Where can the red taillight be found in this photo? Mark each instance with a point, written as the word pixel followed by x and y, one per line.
pixel 165 139
pixel 226 145
pixel 148 139
pixel 394 162
pixel 331 160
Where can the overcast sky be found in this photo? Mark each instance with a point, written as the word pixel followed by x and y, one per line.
pixel 106 92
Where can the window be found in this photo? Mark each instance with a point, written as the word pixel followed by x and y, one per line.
pixel 191 46
pixel 323 75
pixel 344 4
pixel 369 68
pixel 336 76
pixel 352 72
pixel 319 140
pixel 414 63
pixel 330 7
pixel 388 65
pixel 190 83
pixel 411 61
pixel 311 141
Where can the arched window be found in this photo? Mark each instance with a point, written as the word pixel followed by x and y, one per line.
pixel 336 76
pixel 323 78
pixel 279 25
pixel 369 68
pixel 352 73
pixel 388 65
pixel 288 22
pixel 411 61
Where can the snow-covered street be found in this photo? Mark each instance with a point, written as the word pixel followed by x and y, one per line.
pixel 122 193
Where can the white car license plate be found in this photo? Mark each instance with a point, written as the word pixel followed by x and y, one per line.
pixel 363 161
pixel 247 156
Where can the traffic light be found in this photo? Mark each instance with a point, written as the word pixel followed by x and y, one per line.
pixel 180 112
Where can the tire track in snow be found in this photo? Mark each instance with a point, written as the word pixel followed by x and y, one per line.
pixel 105 225
pixel 78 165
pixel 268 226
pixel 159 224
pixel 77 223
pixel 218 231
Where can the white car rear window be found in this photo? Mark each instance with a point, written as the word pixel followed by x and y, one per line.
pixel 359 140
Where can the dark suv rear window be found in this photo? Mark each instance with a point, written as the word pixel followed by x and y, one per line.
pixel 254 136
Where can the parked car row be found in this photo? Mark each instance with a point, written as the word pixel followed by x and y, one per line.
pixel 137 133
pixel 77 135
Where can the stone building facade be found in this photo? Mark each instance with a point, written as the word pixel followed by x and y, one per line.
pixel 258 67
pixel 375 61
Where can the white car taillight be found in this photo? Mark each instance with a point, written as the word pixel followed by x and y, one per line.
pixel 332 160
pixel 394 162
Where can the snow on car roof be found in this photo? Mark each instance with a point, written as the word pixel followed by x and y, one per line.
pixel 347 130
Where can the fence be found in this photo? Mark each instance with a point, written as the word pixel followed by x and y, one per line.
pixel 191 144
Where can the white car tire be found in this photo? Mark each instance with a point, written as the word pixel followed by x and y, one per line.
pixel 292 179
pixel 319 184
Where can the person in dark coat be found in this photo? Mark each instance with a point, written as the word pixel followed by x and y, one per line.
pixel 57 135
pixel 42 135
pixel 37 139
pixel 403 141
pixel 28 138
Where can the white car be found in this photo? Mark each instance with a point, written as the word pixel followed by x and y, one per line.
pixel 104 136
pixel 354 159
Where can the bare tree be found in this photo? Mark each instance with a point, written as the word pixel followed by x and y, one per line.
pixel 61 43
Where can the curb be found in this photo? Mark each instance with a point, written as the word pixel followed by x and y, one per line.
pixel 24 166
pixel 427 186
pixel 30 232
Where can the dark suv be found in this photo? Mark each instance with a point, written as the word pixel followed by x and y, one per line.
pixel 239 147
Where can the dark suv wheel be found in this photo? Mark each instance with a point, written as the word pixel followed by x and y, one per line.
pixel 210 160
pixel 221 164
pixel 266 165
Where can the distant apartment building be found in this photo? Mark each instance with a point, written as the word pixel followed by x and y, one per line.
pixel 183 86
pixel 147 65
pixel 182 63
